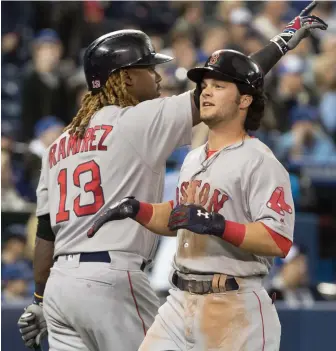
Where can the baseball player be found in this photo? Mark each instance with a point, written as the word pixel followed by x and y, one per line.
pixel 97 296
pixel 234 212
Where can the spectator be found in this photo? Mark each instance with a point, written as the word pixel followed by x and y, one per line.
pixel 16 20
pixel 15 284
pixel 240 20
pixel 305 142
pixel 67 18
pixel 325 76
pixel 77 90
pixel 7 135
pixel 16 272
pixel 327 11
pixel 291 90
pixel 44 90
pixel 215 36
pixel 328 45
pixel 268 22
pixel 192 21
pixel 10 199
pixel 288 274
pixel 171 83
pixel 225 8
pixel 46 131
pixel 184 52
pixel 157 41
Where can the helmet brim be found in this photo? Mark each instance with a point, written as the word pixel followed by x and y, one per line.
pixel 197 75
pixel 153 59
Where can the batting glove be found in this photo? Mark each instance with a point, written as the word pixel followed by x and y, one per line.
pixel 33 326
pixel 128 207
pixel 299 28
pixel 196 219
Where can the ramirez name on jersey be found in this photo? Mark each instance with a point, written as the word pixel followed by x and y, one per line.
pixel 71 145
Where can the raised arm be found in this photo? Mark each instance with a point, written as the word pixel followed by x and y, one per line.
pixel 154 217
pixel 296 30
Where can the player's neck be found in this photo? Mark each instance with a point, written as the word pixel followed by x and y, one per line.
pixel 225 136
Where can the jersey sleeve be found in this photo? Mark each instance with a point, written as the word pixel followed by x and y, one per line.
pixel 156 127
pixel 42 190
pixel 270 198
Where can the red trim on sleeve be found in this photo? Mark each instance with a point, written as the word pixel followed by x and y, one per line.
pixel 145 213
pixel 283 243
pixel 171 203
pixel 234 233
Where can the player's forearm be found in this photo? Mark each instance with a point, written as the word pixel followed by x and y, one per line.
pixel 258 241
pixel 267 57
pixel 43 261
pixel 155 217
pixel 256 238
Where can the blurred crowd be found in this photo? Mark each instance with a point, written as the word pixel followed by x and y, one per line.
pixel 42 84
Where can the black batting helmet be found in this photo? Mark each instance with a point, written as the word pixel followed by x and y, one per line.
pixel 115 50
pixel 232 66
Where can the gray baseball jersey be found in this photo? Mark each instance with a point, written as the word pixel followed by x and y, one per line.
pixel 245 183
pixel 123 153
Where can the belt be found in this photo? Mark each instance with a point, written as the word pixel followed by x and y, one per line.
pixel 219 283
pixel 99 256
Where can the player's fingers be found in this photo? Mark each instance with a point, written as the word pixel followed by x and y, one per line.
pixel 177 224
pixel 31 344
pixel 306 11
pixel 29 328
pixel 313 19
pixel 316 25
pixel 30 335
pixel 90 233
pixel 41 335
pixel 102 219
pixel 178 219
pixel 178 213
pixel 96 226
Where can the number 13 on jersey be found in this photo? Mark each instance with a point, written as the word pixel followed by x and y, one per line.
pixel 93 186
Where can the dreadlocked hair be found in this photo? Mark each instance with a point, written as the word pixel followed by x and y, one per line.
pixel 113 93
pixel 255 112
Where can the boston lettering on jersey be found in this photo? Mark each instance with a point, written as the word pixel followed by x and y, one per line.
pixel 195 192
pixel 71 144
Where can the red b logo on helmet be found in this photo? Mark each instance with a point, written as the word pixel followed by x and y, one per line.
pixel 214 59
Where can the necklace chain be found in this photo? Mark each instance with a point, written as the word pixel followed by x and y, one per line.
pixel 206 163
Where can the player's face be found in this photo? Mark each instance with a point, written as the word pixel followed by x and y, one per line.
pixel 219 101
pixel 144 83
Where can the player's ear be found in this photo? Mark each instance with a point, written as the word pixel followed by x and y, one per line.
pixel 245 101
pixel 128 77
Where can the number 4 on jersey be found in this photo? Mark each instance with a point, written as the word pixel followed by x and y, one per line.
pixel 277 202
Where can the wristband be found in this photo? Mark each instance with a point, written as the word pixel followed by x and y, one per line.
pixel 234 233
pixel 145 213
pixel 38 299
pixel 281 43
